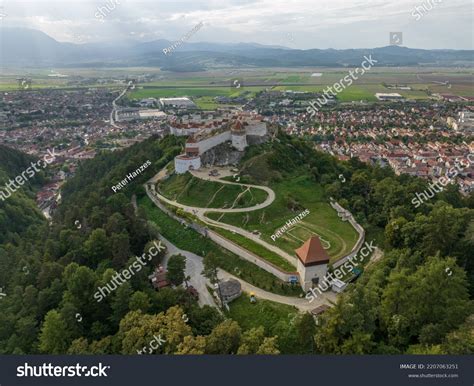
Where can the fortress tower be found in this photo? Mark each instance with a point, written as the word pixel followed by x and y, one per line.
pixel 312 263
pixel 239 136
pixel 190 160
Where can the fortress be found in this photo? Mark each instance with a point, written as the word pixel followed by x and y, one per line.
pixel 203 135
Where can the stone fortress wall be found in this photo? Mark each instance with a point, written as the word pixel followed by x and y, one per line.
pixel 251 129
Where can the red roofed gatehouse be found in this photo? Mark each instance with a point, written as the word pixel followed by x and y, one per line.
pixel 312 263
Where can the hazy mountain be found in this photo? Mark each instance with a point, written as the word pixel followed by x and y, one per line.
pixel 32 48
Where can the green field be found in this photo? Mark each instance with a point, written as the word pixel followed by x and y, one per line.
pixel 203 86
pixel 277 319
pixel 337 236
pixel 192 191
pixel 194 91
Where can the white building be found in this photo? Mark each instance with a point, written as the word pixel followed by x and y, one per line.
pixel 152 113
pixel 393 96
pixel 180 103
pixel 210 137
pixel 312 263
pixel 466 121
pixel 239 136
pixel 184 163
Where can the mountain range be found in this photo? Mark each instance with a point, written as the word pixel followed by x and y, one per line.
pixel 22 47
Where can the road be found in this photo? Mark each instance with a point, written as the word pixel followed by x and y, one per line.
pixel 194 267
pixel 303 304
pixel 114 104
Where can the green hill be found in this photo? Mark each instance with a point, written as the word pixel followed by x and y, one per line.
pixel 17 212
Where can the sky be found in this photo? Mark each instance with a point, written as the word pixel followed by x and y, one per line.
pixel 301 24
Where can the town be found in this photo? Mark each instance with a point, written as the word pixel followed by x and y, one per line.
pixel 423 139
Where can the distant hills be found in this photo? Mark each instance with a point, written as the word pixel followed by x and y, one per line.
pixel 32 48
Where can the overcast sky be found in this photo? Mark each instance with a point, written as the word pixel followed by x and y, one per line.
pixel 298 24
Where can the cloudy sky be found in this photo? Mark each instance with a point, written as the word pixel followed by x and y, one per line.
pixel 298 24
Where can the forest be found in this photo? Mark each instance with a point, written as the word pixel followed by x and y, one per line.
pixel 417 299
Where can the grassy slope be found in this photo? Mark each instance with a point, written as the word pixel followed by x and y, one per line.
pixel 258 249
pixel 190 240
pixel 192 191
pixel 322 219
pixel 262 313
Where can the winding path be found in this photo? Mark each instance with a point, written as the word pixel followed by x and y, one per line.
pixel 200 213
pixel 194 264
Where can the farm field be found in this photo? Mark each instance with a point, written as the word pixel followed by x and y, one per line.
pixel 217 82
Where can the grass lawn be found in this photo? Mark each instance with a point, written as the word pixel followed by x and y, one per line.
pixel 337 236
pixel 192 191
pixel 189 240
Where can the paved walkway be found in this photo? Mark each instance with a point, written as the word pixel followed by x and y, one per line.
pixel 303 304
pixel 194 268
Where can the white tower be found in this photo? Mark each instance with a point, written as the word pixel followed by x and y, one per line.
pixel 239 136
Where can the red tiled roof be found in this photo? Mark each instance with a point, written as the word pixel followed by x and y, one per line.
pixel 312 252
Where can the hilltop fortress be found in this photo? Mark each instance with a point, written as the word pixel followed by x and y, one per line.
pixel 206 136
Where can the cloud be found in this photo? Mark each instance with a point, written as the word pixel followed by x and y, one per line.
pixel 311 23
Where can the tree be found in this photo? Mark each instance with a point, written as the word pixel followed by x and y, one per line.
pixel 192 346
pixel 461 340
pixel 119 303
pixel 224 339
pixel 306 328
pixel 137 330
pixel 211 265
pixel 176 267
pixel 251 341
pixel 96 247
pixel 120 249
pixel 426 304
pixel 54 337
pixel 268 347
pixel 139 302
pixel 79 346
